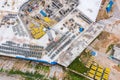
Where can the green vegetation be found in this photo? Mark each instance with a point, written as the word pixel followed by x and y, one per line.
pixel 109 48
pixel 54 78
pixel 1 70
pixel 27 75
pixel 78 66
pixel 73 76
pixel 119 65
pixel 41 67
pixel 30 65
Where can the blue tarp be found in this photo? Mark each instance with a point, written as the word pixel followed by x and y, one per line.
pixel 43 13
pixel 109 7
pixel 53 63
pixel 93 53
pixel 43 61
pixel 30 9
pixel 111 57
pixel 81 29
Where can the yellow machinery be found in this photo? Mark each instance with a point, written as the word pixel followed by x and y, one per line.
pixel 90 75
pixel 92 71
pixel 97 78
pixel 47 19
pixel 107 70
pixel 37 32
pixel 105 76
pixel 100 70
pixel 98 74
pixel 94 67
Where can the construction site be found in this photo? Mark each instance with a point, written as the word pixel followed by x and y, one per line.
pixel 59 31
pixel 44 31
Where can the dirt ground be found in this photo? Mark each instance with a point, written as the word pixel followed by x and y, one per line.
pixel 4 76
pixel 106 62
pixel 104 41
pixel 117 68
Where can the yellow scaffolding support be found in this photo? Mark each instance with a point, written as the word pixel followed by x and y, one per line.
pixel 37 32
